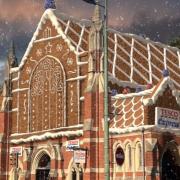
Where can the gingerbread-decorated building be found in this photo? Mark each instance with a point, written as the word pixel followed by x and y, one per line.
pixel 52 105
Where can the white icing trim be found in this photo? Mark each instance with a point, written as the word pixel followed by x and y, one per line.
pixel 46 39
pixel 165 60
pixel 165 82
pixel 140 38
pixel 130 95
pixel 178 53
pixel 82 98
pixel 15 79
pixel 149 63
pixel 48 14
pixel 47 135
pixel 115 131
pixel 115 54
pixel 131 60
pixel 77 78
pixel 19 90
pixel 14 110
pixel 44 131
pixel 67 27
pixel 82 63
pixel 115 80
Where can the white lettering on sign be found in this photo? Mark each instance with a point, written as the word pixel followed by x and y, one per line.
pixel 16 150
pixel 72 144
pixel 167 118
pixel 79 156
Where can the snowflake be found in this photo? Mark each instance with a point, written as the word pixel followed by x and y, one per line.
pixel 59 47
pixel 155 10
pixel 39 52
pixel 28 70
pixel 70 61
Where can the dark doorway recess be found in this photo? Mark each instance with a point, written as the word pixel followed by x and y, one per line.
pixel 170 165
pixel 42 172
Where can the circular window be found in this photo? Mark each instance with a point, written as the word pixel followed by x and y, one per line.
pixel 119 156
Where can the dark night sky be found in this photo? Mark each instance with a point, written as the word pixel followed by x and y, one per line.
pixel 157 19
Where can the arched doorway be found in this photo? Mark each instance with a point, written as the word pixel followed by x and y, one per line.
pixel 43 169
pixel 170 164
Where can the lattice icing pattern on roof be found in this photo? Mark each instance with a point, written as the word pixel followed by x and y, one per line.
pixel 128 110
pixel 77 33
pixel 131 58
pixel 137 60
pixel 128 113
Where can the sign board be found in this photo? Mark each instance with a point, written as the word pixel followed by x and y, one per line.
pixel 119 156
pixel 167 118
pixel 72 144
pixel 16 150
pixel 79 156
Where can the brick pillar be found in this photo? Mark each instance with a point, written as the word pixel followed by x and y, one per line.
pixel 93 129
pixel 3 146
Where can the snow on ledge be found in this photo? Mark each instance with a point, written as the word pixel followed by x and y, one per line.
pixel 47 135
pixel 160 90
pixel 116 131
pixel 142 93
pixel 77 78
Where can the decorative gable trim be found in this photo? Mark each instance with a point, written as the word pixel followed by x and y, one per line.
pixel 48 14
pixel 159 90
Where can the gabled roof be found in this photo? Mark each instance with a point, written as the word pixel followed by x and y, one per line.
pixel 159 90
pixel 141 61
pixel 132 59
pixel 128 109
pixel 75 33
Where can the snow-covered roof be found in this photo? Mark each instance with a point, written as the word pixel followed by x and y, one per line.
pixel 131 58
pixel 159 89
pixel 128 109
pixel 74 32
pixel 141 61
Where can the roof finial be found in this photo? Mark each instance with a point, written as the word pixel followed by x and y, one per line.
pixel 12 60
pixel 50 4
pixel 165 73
pixel 97 13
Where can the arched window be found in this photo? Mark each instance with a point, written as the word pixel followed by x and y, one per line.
pixel 76 172
pixel 74 175
pixel 128 157
pixel 43 169
pixel 139 156
pixel 47 32
pixel 47 96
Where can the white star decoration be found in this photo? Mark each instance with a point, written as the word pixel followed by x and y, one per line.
pixel 48 48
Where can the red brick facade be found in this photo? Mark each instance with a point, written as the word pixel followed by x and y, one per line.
pixel 56 95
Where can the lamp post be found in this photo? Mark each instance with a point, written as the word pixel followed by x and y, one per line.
pixel 106 114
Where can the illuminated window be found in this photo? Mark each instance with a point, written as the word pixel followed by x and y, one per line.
pixel 138 157
pixel 47 32
pixel 76 172
pixel 128 157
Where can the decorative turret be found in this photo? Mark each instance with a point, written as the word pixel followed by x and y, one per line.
pixel 95 47
pixel 94 37
pixel 11 63
pixel 97 14
pixel 12 60
pixel 50 4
